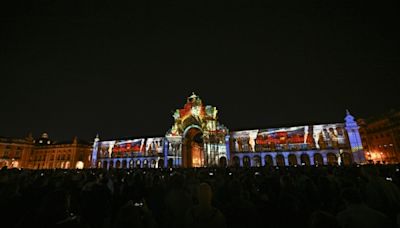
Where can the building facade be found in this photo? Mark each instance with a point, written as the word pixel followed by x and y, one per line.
pixel 44 153
pixel 381 137
pixel 15 152
pixel 49 154
pixel 197 139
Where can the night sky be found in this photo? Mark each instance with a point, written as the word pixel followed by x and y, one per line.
pixel 85 67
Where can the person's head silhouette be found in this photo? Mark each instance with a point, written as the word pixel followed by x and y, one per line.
pixel 205 194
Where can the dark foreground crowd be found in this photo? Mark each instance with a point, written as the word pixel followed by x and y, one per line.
pixel 357 196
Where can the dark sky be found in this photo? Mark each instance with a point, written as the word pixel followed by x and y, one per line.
pixel 120 69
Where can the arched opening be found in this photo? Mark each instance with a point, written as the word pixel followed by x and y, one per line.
pixel 161 163
pixel 153 164
pixel 246 162
pixel 131 164
pixel 331 158
pixel 268 160
pixel 138 163
pixel 67 164
pixel 14 164
pixel 292 159
pixel 124 164
pixel 98 164
pixel 222 162
pixel 118 164
pixel 111 165
pixel 236 161
pixel 170 163
pixel 305 159
pixel 192 149
pixel 318 160
pixel 145 163
pixel 80 165
pixel 105 165
pixel 280 160
pixel 347 159
pixel 257 161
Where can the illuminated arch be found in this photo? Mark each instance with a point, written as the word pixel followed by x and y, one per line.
pixel 118 164
pixel 305 159
pixel 268 160
pixel 236 161
pixel 347 159
pixel 222 161
pixel 257 161
pixel 161 163
pixel 280 160
pixel 331 159
pixel 292 159
pixel 190 127
pixel 153 163
pixel 246 162
pixel 80 165
pixel 138 163
pixel 318 159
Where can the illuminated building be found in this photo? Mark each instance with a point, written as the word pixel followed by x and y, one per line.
pixel 14 152
pixel 197 139
pixel 381 137
pixel 44 153
pixel 48 154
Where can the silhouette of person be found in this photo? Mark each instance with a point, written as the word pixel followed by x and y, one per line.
pixel 204 214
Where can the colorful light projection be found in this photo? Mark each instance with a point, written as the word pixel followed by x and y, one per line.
pixel 195 113
pixel 154 146
pixel 135 146
pixel 293 138
pixel 118 147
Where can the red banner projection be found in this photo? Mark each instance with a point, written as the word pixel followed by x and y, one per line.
pixel 128 147
pixel 279 138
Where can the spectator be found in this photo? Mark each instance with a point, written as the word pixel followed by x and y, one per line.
pixel 358 214
pixel 204 214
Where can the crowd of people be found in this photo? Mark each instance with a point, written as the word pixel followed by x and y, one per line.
pixel 302 196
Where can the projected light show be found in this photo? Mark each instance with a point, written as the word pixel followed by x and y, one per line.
pixel 197 139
